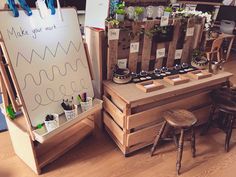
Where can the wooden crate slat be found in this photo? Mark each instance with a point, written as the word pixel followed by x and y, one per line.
pixel 147 45
pixel 160 60
pixel 112 57
pixel 198 31
pixel 173 44
pixel 188 43
pixel 133 57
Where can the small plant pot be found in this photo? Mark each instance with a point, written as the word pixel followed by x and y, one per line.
pixel 120 17
pixel 52 124
pixel 166 14
pixel 87 104
pixel 70 114
pixel 138 17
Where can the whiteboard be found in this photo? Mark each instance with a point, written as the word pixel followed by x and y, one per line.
pixel 48 59
pixel 96 13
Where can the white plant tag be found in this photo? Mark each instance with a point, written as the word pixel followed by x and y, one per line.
pixel 160 53
pixel 134 47
pixel 113 34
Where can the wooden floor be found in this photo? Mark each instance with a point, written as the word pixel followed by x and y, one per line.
pixel 98 156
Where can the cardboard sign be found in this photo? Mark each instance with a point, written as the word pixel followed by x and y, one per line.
pixel 190 31
pixel 122 63
pixel 134 47
pixel 161 53
pixel 164 20
pixel 113 34
pixel 178 54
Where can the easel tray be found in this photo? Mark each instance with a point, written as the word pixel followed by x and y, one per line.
pixel 41 135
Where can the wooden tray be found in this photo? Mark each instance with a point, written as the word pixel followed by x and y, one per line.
pixel 149 86
pixel 176 79
pixel 199 74
pixel 41 135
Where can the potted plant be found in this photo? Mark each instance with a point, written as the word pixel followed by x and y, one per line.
pixel 167 11
pixel 138 13
pixel 120 12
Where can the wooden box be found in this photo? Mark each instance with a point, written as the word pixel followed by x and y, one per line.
pixel 176 79
pixel 149 86
pixel 199 74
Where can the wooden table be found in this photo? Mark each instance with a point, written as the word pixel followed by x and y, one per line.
pixel 132 117
pixel 225 36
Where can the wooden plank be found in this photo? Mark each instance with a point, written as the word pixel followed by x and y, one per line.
pixel 89 60
pixel 173 44
pixel 3 93
pixel 188 42
pixel 117 100
pixel 116 114
pixel 56 149
pixel 111 56
pixel 198 31
pixel 159 61
pixel 154 114
pixel 145 135
pixel 133 57
pixel 6 81
pixel 23 146
pixel 147 45
pixel 122 148
pixel 137 97
pixel 114 128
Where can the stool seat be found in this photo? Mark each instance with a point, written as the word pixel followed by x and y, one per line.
pixel 179 118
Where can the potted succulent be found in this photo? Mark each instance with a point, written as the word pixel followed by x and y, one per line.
pixel 138 13
pixel 120 12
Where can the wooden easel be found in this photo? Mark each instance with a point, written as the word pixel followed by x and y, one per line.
pixel 37 147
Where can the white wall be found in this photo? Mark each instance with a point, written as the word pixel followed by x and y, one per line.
pixel 2 3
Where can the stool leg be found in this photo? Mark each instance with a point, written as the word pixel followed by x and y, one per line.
pixel 180 151
pixel 210 120
pixel 175 139
pixel 193 147
pixel 158 137
pixel 228 134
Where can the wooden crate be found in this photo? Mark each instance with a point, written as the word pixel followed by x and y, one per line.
pixel 132 117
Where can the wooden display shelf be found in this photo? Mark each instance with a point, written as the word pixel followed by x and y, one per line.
pixel 176 79
pixel 149 86
pixel 132 117
pixel 199 74
pixel 42 135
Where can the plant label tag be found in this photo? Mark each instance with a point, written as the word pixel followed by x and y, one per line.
pixel 178 54
pixel 134 47
pixel 113 34
pixel 190 31
pixel 122 63
pixel 164 20
pixel 160 53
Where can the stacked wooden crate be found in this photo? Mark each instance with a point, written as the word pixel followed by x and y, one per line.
pixel 133 118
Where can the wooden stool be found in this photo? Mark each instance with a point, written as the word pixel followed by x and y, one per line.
pixel 224 100
pixel 182 120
